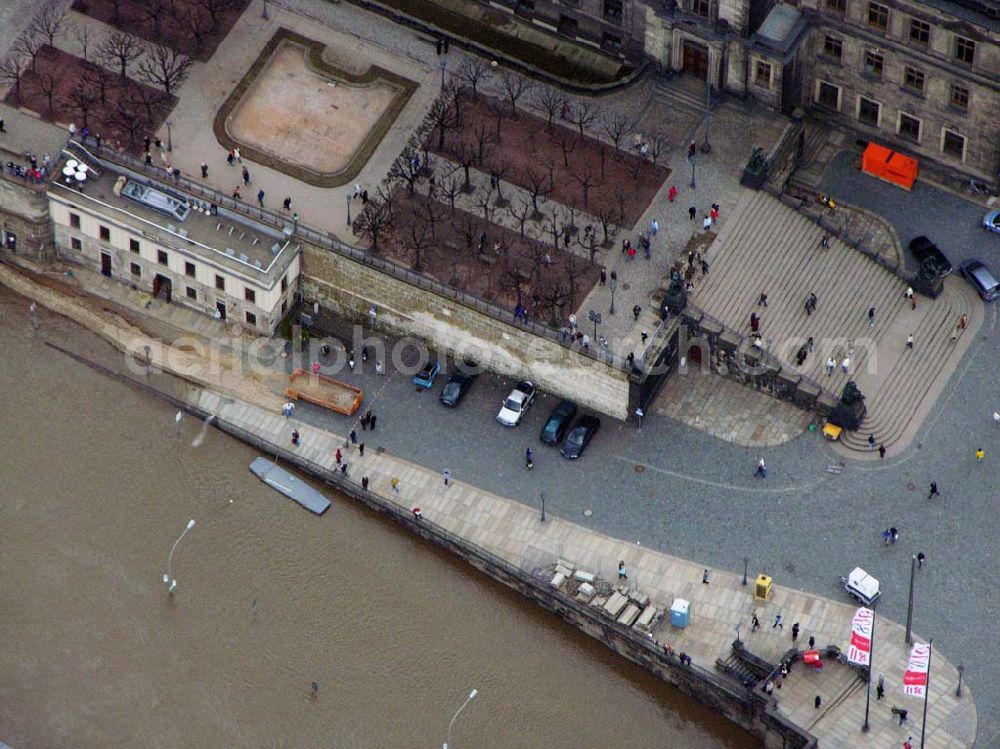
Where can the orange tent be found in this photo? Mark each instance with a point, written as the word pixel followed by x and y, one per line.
pixel 892 166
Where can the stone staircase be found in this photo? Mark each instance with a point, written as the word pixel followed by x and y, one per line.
pixel 684 91
pixel 767 247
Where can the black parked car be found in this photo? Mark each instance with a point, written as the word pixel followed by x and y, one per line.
pixel 557 423
pixel 930 256
pixel 579 436
pixel 454 390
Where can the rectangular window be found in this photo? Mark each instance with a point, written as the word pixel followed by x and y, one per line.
pixel 189 270
pixel 161 257
pixel 965 50
pixel 837 6
pixel 873 63
pixel 959 96
pixel 611 41
pixel 833 47
pixel 868 111
pixel 284 306
pixel 251 319
pixel 250 295
pixel 613 10
pixel 828 96
pixel 191 292
pixel 76 244
pixel 284 284
pixel 953 144
pixel 133 245
pixel 909 128
pixel 105 234
pixel 762 74
pixel 74 220
pixel 135 269
pixel 920 32
pixel 220 283
pixel 913 79
pixel 878 16
pixel 700 8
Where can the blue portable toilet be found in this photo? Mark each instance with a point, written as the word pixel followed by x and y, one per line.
pixel 680 613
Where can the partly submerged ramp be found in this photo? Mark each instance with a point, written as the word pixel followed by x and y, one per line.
pixel 281 480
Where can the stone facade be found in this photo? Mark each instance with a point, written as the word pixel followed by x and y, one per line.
pixel 351 289
pixel 24 219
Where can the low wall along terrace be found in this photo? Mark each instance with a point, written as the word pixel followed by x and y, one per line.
pixel 350 289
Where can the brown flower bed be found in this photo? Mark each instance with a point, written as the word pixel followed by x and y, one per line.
pixel 63 88
pixel 194 27
pixel 546 282
pixel 527 149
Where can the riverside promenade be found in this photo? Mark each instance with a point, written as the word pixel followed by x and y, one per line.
pixel 514 532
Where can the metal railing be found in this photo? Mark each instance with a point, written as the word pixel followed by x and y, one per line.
pixel 328 241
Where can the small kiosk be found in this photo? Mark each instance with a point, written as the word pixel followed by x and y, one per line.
pixel 680 613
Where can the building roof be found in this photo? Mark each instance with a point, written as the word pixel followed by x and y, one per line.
pixel 176 221
pixel 781 28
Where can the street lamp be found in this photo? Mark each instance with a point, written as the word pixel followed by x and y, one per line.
pixel 472 696
pixel 613 284
pixel 694 185
pixel 444 67
pixel 595 317
pixel 961 670
pixel 168 578
pixel 909 604
pixel 706 146
pixel 264 13
pixel 349 197
pixel 543 507
pixel 170 140
pixel 746 563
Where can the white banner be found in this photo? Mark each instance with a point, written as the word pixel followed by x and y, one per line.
pixel 860 649
pixel 915 678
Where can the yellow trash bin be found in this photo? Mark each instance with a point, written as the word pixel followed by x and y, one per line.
pixel 832 432
pixel 762 590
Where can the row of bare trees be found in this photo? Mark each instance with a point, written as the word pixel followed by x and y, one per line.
pixel 196 19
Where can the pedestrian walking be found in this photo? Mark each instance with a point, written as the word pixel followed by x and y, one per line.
pixel 371 422
pixel 447 476
pixel 754 622
pixel 980 455
pixel 762 300
pixel 364 483
pixel 692 212
pixel 636 311
pixel 812 642
pixel 287 204
pixel 704 267
pixel 204 170
pixel 921 558
pixel 604 276
pixel 236 155
pixel 795 631
pixel 260 198
pixel 246 176
pixel 881 451
pixel 893 535
pixel 622 574
pixel 886 536
pixel 761 471
pixel 343 470
pixel 871 317
pixel 996 417
pixel 908 294
pixel 954 334
pixel 871 441
pixel 831 364
pixel 903 714
pixel 824 243
pixel 295 437
pixel 933 491
pixel 644 336
pixel 777 622
pixel 364 422
pixel 963 321
pixel 714 213
pixel 361 449
pixel 706 222
pixel 529 459
pixel 846 364
pixel 229 157
pixel 354 437
pixel 3 129
pixel 287 409
pixel 909 341
pixel 236 193
pixel 880 688
pixel 908 744
pixel 654 227
pixel 338 456
pixel 671 194
pixel 394 483
pixel 818 701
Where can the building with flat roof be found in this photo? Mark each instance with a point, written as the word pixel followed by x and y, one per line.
pixel 184 251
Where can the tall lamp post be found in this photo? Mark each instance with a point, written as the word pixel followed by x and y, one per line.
pixel 909 604
pixel 444 67
pixel 706 146
pixel 170 140
pixel 746 563
pixel 349 196
pixel 470 698
pixel 613 284
pixel 694 184
pixel 168 578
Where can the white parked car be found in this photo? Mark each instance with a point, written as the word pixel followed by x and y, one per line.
pixel 516 404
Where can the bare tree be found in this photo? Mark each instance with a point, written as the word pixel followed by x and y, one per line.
pixel 519 213
pixel 582 115
pixel 215 8
pixel 498 111
pixel 658 145
pixel 616 127
pixel 606 215
pixel 455 92
pixel 130 120
pixel 82 35
pixel 149 98
pixel 586 180
pixel 49 24
pixel 430 210
pixel 99 77
pixel 550 101
pixel 441 117
pixel 374 221
pixel 406 168
pixel 465 154
pixel 621 201
pixel 419 244
pixel 482 201
pixel 116 10
pixel 119 49
pixel 514 279
pixel 555 227
pixel 47 83
pixel 153 12
pixel 514 87
pixel 29 44
pixel 572 270
pixel 473 71
pixel 590 242
pixel 450 188
pixel 12 69
pixel 164 66
pixel 567 141
pixel 501 165
pixel 538 185
pixel 199 23
pixel 83 99
pixel 483 138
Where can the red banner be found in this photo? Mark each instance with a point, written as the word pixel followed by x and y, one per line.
pixel 915 678
pixel 860 649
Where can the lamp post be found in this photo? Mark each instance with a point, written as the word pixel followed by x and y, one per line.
pixel 613 284
pixel 349 197
pixel 706 146
pixel 264 13
pixel 170 140
pixel 746 564
pixel 639 413
pixel 909 604
pixel 961 670
pixel 472 696
pixel 543 507
pixel 694 184
pixel 168 578
pixel 444 67
pixel 595 317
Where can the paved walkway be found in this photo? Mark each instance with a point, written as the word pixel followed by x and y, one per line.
pixel 900 384
pixel 514 532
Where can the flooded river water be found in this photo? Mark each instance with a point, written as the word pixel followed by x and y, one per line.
pixel 95 486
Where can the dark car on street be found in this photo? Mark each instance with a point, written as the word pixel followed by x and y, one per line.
pixel 557 423
pixel 930 257
pixel 454 390
pixel 579 437
pixel 982 280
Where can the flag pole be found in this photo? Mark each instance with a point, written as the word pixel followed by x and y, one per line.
pixel 871 665
pixel 927 690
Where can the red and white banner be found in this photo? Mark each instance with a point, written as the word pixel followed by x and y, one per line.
pixel 915 678
pixel 860 649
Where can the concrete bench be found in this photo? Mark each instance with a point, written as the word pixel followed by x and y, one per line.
pixel 629 615
pixel 557 580
pixel 647 618
pixel 615 604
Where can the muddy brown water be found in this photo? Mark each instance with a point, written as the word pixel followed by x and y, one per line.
pixel 95 487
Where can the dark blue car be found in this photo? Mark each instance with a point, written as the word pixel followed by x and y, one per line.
pixel 557 423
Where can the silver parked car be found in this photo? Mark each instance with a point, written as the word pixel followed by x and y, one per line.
pixel 982 280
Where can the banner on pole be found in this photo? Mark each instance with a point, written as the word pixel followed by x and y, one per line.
pixel 860 649
pixel 915 678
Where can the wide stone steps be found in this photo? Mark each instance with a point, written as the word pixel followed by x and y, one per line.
pixel 768 247
pixel 684 91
